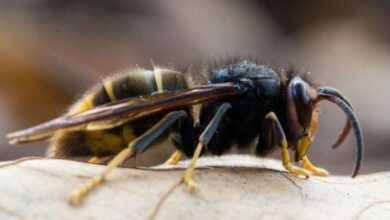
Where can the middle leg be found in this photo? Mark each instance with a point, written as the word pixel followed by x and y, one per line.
pixel 204 139
pixel 174 158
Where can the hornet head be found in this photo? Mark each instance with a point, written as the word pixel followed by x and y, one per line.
pixel 302 101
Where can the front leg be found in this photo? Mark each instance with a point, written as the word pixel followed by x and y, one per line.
pixel 305 160
pixel 280 139
pixel 313 169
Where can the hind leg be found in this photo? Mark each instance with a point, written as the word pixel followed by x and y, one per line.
pixel 137 146
pixel 204 139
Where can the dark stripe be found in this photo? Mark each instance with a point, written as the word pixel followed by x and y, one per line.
pixel 172 81
pixel 133 85
pixel 100 97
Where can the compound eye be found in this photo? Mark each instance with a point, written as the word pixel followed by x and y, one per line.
pixel 303 102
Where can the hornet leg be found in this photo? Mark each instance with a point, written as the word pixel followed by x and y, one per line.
pixel 204 139
pixel 136 146
pixel 95 160
pixel 175 157
pixel 281 140
pixel 305 161
pixel 313 169
pixel 100 160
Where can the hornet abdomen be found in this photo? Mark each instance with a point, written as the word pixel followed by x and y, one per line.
pixel 118 87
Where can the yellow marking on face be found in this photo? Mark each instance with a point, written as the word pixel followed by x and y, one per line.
pixel 159 81
pixel 110 90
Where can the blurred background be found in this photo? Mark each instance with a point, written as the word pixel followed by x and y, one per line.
pixel 51 51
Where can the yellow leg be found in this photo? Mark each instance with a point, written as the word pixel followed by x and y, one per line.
pixel 282 142
pixel 78 195
pixel 136 146
pixel 95 160
pixel 204 138
pixel 287 163
pixel 188 177
pixel 315 170
pixel 175 157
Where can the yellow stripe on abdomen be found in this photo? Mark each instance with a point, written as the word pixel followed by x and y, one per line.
pixel 159 81
pixel 110 90
pixel 82 105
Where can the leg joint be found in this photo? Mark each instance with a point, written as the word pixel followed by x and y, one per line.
pixel 212 127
